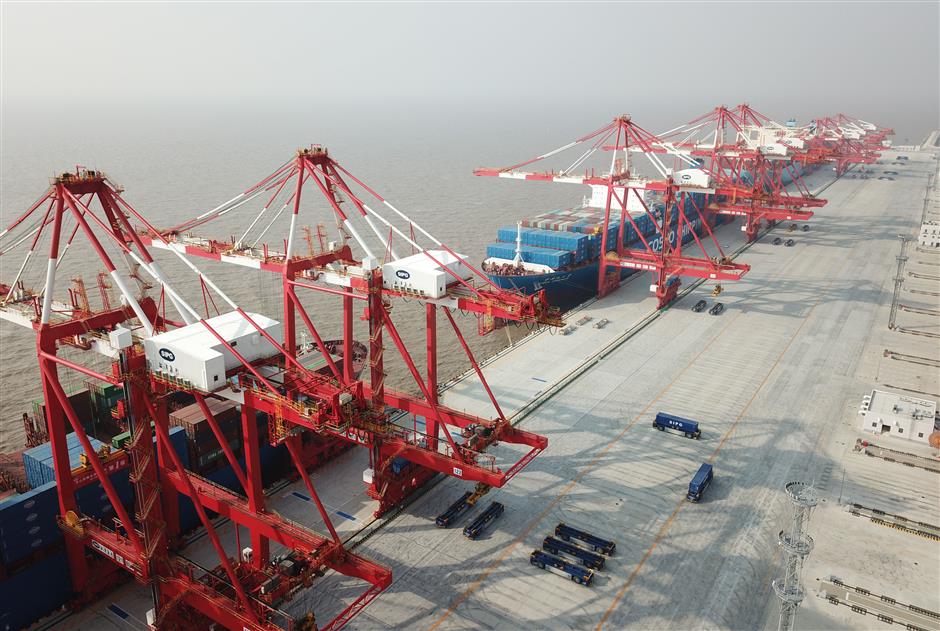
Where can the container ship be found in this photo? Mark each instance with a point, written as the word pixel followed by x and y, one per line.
pixel 558 251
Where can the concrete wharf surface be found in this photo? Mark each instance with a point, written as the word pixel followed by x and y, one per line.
pixel 775 382
pixel 774 379
pixel 883 607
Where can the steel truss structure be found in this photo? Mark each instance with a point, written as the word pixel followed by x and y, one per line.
pixel 846 141
pixel 754 162
pixel 741 162
pixel 244 592
pixel 682 190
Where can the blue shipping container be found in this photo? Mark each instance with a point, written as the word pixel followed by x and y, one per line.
pixel 700 481
pixel 272 460
pixel 28 520
pixel 540 256
pixel 688 427
pixel 558 239
pixel 27 523
pixel 34 593
pixel 38 461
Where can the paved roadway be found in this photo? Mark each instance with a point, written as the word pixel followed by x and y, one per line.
pixel 766 379
pixel 874 605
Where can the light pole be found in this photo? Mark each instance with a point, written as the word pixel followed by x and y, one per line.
pixel 898 281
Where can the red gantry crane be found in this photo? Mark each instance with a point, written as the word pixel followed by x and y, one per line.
pixel 875 137
pixel 757 164
pixel 625 194
pixel 256 362
pixel 434 274
pixel 844 140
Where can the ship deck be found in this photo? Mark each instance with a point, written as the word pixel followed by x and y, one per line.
pixel 775 382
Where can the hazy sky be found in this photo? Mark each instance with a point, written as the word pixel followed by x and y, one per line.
pixel 878 61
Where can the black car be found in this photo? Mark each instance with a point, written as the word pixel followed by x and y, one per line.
pixel 699 306
pixel 778 241
pixel 790 243
pixel 805 228
pixel 891 172
pixel 717 308
pixel 886 177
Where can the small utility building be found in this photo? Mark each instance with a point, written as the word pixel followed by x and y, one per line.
pixel 898 415
pixel 929 236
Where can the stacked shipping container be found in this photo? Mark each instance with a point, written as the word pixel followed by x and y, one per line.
pixel 27 520
pixel 38 460
pixel 34 591
pixel 563 239
pixel 204 448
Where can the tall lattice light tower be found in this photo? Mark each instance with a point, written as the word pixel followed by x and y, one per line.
pixel 898 281
pixel 796 546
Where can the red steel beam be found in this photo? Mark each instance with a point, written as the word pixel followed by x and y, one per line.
pixel 103 477
pixel 296 458
pixel 189 489
pixel 473 362
pixel 226 448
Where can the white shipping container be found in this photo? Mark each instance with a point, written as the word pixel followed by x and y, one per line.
pixel 419 274
pixel 193 354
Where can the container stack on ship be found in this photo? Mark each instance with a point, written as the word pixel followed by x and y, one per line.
pixel 558 251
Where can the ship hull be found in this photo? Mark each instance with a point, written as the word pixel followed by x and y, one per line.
pixel 564 289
